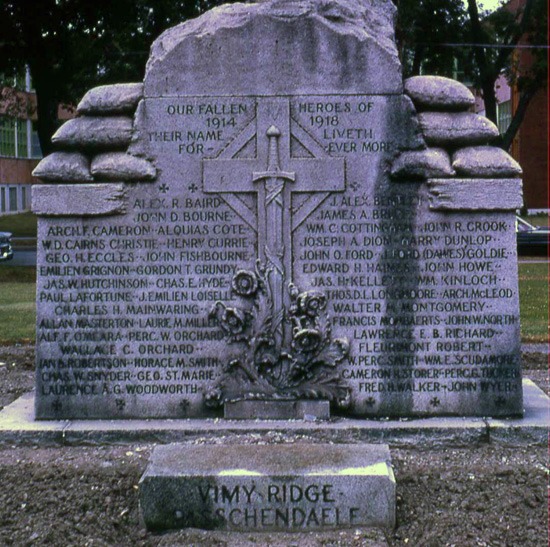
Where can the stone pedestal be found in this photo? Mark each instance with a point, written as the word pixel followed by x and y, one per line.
pixel 268 487
pixel 276 410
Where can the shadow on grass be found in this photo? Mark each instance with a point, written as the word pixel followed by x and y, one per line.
pixel 17 274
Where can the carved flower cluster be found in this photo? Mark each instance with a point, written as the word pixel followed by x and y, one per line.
pixel 268 366
pixel 304 311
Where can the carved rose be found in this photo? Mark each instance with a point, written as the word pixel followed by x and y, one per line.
pixel 245 283
pixel 312 303
pixel 307 340
pixel 234 320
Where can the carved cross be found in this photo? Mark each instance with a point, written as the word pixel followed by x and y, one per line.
pixel 274 176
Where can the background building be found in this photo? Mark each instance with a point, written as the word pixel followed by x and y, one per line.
pixel 530 145
pixel 19 146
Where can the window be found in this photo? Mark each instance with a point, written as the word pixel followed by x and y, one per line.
pixel 14 141
pixel 504 116
pixel 36 151
pixel 12 194
pixel 7 136
pixel 2 200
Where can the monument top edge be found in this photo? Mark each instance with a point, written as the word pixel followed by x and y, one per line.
pixel 294 95
pixel 375 16
pixel 363 21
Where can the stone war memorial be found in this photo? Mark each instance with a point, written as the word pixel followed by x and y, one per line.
pixel 274 225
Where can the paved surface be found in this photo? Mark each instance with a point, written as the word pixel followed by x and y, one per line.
pixel 17 426
pixel 22 257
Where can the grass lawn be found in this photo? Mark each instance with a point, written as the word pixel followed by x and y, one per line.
pixel 17 304
pixel 537 220
pixel 20 225
pixel 533 296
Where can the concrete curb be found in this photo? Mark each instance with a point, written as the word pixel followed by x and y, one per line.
pixel 18 427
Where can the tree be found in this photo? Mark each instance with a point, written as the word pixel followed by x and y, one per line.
pixel 447 38
pixel 72 45
pixel 495 38
pixel 424 31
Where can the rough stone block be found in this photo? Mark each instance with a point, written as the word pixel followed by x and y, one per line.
pixel 485 161
pixel 118 166
pixel 84 200
pixel 475 194
pixel 95 132
pixel 111 99
pixel 64 167
pixel 457 128
pixel 438 93
pixel 432 162
pixel 333 45
pixel 268 488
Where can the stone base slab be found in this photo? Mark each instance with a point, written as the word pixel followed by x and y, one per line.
pixel 276 410
pixel 292 487
pixel 18 427
pixel 366 537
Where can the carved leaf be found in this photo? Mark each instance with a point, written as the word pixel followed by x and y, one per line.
pixel 241 386
pixel 263 319
pixel 327 387
pixel 264 369
pixel 332 353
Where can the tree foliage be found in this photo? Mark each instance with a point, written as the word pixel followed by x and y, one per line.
pixel 449 38
pixel 73 45
pixel 495 38
pixel 429 34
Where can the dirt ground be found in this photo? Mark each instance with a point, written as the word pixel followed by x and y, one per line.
pixel 483 495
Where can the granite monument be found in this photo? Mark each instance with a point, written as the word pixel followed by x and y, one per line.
pixel 275 216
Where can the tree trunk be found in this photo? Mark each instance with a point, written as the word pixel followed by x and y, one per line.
pixel 489 98
pixel 517 119
pixel 486 74
pixel 417 61
pixel 46 109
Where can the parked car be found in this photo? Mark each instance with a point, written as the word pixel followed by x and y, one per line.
pixel 6 250
pixel 531 239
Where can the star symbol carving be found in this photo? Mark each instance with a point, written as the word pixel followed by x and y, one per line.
pixel 163 188
pixel 184 405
